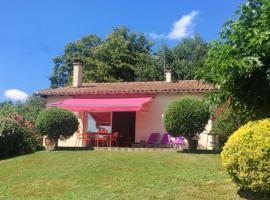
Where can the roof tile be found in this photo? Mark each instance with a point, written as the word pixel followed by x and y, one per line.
pixel 131 87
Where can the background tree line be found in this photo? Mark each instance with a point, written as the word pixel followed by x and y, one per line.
pixel 128 56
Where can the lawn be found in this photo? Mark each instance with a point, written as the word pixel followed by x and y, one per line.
pixel 115 175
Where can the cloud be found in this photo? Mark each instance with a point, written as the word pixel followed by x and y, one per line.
pixel 157 36
pixel 15 95
pixel 180 29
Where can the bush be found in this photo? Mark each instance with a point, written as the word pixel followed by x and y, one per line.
pixel 246 156
pixel 186 116
pixel 14 139
pixel 228 121
pixel 36 139
pixel 56 124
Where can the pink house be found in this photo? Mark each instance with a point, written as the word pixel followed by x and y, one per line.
pixel 133 109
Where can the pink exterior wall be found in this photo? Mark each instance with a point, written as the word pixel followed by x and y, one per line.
pixel 149 120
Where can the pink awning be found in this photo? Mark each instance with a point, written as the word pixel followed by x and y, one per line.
pixel 120 104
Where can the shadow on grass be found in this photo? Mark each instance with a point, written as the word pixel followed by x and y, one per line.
pixel 73 148
pixel 200 151
pixel 252 195
pixel 7 157
pixel 2 157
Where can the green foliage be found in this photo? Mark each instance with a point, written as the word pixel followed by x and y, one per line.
pixel 189 56
pixel 57 123
pixel 7 108
pixel 186 116
pixel 228 122
pixel 32 107
pixel 240 61
pixel 116 58
pixel 28 109
pixel 246 156
pixel 24 114
pixel 14 139
pixel 184 59
pixel 127 56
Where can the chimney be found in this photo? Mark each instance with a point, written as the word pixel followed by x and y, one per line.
pixel 168 76
pixel 77 73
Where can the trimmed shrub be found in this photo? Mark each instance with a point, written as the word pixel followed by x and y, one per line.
pixel 246 156
pixel 186 116
pixel 57 123
pixel 14 139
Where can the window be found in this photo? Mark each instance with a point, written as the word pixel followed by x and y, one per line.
pixel 99 120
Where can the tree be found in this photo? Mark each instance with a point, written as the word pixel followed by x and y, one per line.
pixel 149 68
pixel 239 62
pixel 183 60
pixel 28 109
pixel 7 107
pixel 56 123
pixel 116 58
pixel 189 56
pixel 227 122
pixel 81 49
pixel 186 116
pixel 32 107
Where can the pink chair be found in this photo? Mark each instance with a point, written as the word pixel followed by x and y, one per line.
pixel 178 141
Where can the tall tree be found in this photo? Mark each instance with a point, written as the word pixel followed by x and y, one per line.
pixel 188 56
pixel 149 68
pixel 184 59
pixel 239 62
pixel 114 59
pixel 81 49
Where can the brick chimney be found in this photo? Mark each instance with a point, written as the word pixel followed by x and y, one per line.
pixel 168 76
pixel 77 73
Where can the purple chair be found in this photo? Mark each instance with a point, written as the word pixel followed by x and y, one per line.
pixel 165 140
pixel 153 139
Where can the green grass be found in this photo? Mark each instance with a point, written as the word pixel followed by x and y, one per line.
pixel 115 175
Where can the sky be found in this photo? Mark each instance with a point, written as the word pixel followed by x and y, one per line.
pixel 32 32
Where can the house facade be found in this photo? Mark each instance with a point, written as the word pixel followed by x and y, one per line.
pixel 133 109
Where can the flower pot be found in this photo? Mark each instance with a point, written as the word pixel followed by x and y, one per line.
pixel 49 144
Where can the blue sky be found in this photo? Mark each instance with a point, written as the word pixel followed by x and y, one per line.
pixel 33 32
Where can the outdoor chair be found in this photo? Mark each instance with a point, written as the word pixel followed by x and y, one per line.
pixel 114 138
pixel 84 137
pixel 102 136
pixel 153 140
pixel 165 140
pixel 178 141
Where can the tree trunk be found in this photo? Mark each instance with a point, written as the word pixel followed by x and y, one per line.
pixel 55 144
pixel 192 144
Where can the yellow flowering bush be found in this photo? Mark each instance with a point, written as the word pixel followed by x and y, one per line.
pixel 246 156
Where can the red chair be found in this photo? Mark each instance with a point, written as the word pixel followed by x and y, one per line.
pixel 114 138
pixel 102 136
pixel 84 137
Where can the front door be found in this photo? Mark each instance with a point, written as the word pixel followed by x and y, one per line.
pixel 124 124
